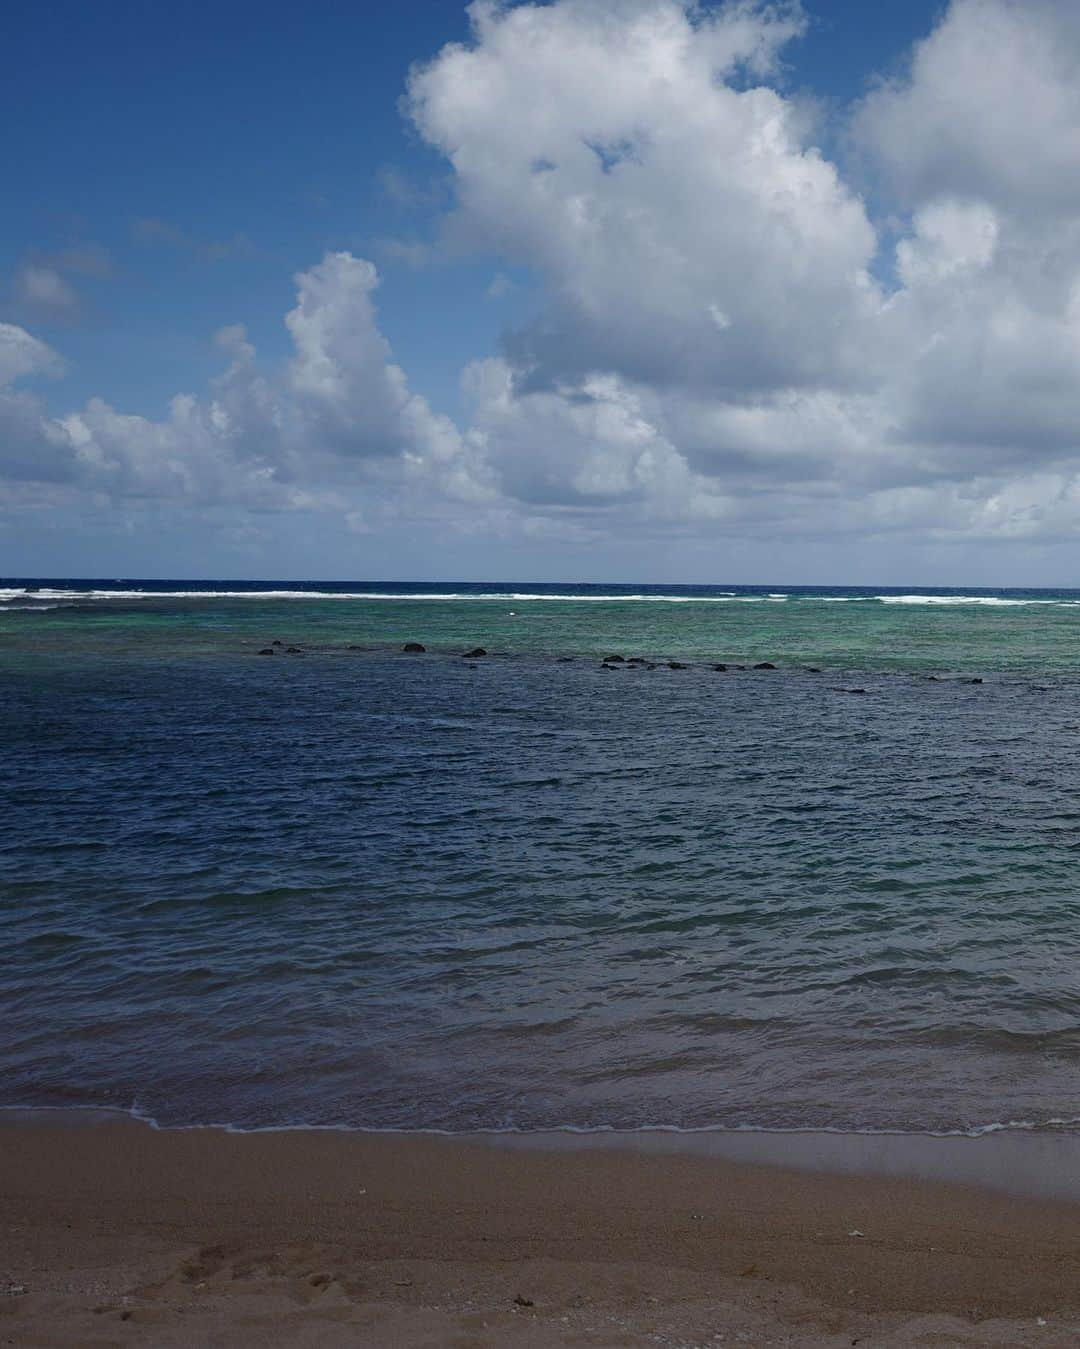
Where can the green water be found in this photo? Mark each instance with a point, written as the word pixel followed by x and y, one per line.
pixel 871 630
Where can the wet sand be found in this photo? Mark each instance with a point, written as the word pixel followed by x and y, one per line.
pixel 116 1234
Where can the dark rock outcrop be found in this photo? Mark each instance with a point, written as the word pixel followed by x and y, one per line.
pixel 414 647
pixel 764 665
pixel 268 651
pixel 675 665
pixel 475 653
pixel 614 660
pixel 720 667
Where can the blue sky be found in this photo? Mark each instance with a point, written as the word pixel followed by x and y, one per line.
pixel 171 172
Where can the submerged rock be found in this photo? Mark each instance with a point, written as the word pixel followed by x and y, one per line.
pixel 614 660
pixel 277 642
pixel 294 651
pixel 475 652
pixel 812 669
pixel 976 680
pixel 414 646
pixel 722 668
pixel 675 665
pixel 764 665
pixel 268 651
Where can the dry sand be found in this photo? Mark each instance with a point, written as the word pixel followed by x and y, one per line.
pixel 115 1234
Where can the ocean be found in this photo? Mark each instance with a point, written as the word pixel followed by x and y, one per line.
pixel 352 886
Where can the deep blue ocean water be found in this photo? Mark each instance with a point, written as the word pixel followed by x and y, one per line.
pixel 353 886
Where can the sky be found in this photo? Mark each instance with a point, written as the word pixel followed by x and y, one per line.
pixel 586 290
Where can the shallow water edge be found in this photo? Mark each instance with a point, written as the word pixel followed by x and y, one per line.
pixel 1027 1164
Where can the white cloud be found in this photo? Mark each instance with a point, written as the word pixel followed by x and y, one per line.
pixel 599 144
pixel 725 342
pixel 707 268
pixel 990 110
pixel 252 440
pixel 22 355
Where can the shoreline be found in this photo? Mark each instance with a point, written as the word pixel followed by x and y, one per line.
pixel 1034 1161
pixel 120 1232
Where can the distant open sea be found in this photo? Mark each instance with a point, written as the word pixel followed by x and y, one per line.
pixel 353 886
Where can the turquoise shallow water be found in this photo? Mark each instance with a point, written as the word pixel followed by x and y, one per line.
pixel 853 628
pixel 355 887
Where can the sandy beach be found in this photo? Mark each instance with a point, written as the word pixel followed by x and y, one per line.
pixel 117 1234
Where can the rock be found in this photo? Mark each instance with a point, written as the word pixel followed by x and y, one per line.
pixel 613 660
pixel 675 665
pixel 976 680
pixel 563 660
pixel 764 665
pixel 277 643
pixel 855 690
pixel 812 669
pixel 268 651
pixel 294 651
pixel 520 1301
pixel 934 679
pixel 721 668
pixel 475 652
pixel 414 646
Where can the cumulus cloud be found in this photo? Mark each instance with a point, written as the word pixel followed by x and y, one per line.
pixel 251 440
pixel 705 266
pixel 22 355
pixel 982 141
pixel 728 337
pixel 990 109
pixel 601 145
